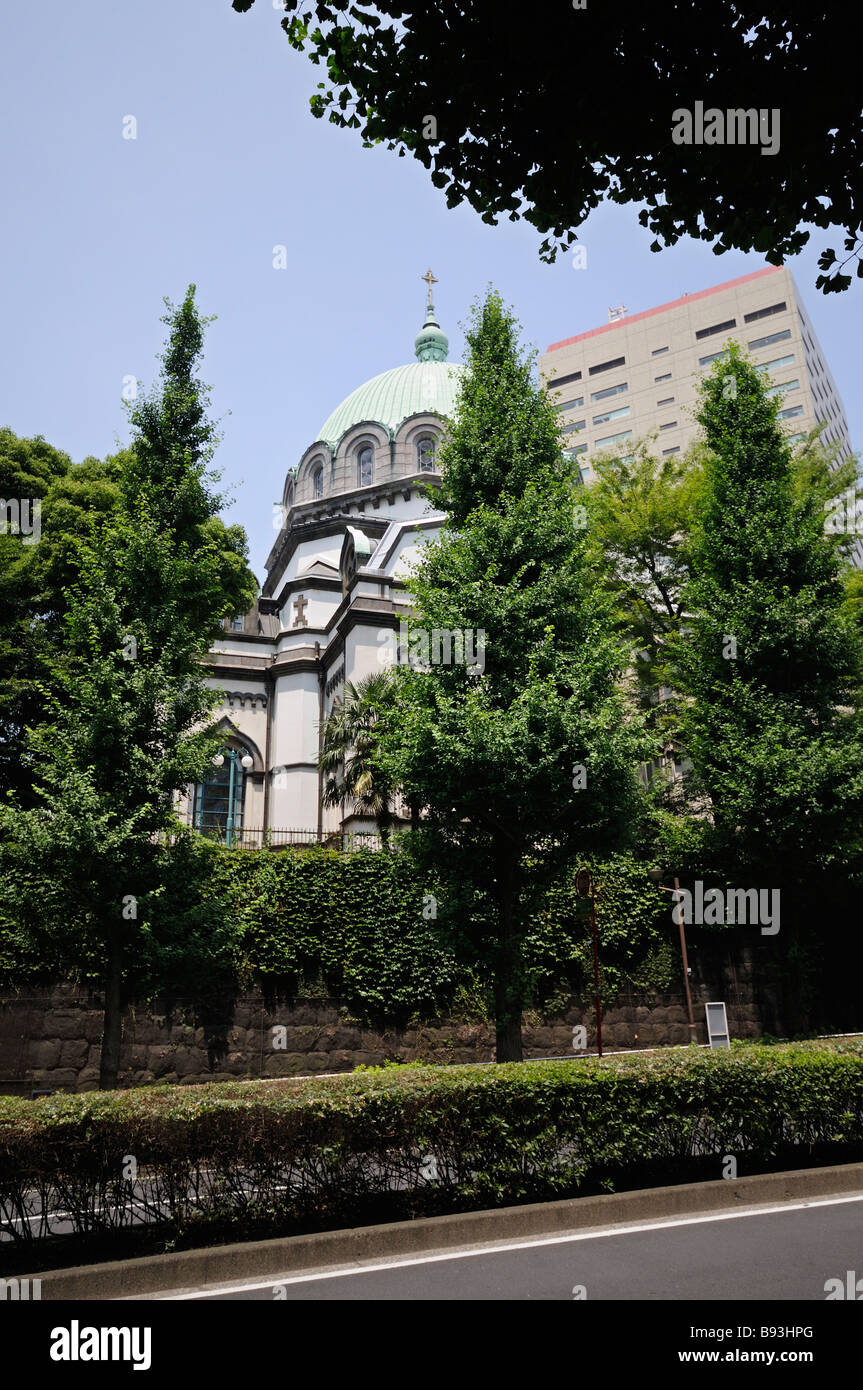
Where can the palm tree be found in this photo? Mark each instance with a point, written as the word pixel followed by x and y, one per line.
pixel 348 747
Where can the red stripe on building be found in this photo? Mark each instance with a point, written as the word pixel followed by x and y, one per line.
pixel 662 308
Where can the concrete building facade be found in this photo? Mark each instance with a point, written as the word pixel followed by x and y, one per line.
pixel 638 375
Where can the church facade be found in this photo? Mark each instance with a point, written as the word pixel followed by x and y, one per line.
pixel 354 515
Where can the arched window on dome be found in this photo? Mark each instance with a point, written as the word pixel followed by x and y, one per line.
pixel 318 481
pixel 365 466
pixel 425 453
pixel 219 799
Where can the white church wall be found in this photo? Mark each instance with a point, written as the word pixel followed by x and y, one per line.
pixel 307 552
pixel 365 652
pixel 251 685
pixel 402 508
pixel 410 553
pixel 294 793
pixel 294 799
pixel 253 807
pixel 250 724
pixel 319 606
pixel 225 647
pixel 248 718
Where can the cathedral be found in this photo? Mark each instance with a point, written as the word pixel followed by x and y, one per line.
pixel 353 517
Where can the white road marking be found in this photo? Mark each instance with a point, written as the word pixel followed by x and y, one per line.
pixel 497 1249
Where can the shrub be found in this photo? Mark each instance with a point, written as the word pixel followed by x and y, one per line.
pixel 248 1159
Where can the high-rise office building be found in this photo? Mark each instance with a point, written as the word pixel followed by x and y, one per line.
pixel 639 373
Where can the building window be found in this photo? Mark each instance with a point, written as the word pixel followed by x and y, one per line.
pixel 771 338
pixel 219 799
pixel 670 425
pixel 792 410
pixel 713 357
pixel 609 391
pixel 318 482
pixel 793 438
pixel 564 380
pixel 675 449
pixel 574 427
pixel 777 362
pixel 716 328
pixel 607 366
pixel 425 454
pixel 612 439
pixel 612 415
pixel 570 405
pixel 237 624
pixel 669 400
pixel 579 449
pixel 666 376
pixel 365 466
pixel 763 313
pixel 657 352
pixel 783 386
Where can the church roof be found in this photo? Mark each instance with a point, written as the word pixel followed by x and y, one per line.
pixel 390 398
pixel 428 385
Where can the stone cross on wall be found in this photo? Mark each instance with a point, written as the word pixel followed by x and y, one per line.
pixel 301 604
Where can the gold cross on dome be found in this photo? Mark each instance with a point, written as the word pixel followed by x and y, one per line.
pixel 430 280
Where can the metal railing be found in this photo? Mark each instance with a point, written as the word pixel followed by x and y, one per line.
pixel 256 837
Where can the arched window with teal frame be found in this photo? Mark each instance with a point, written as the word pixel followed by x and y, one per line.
pixel 220 797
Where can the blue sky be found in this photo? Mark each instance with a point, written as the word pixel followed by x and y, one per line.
pixel 227 164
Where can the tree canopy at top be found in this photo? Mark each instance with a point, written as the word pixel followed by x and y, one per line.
pixel 543 114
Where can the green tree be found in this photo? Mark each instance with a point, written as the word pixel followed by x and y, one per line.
pixel 525 749
pixel 35 578
pixel 513 116
pixel 349 757
pixel 768 669
pixel 126 705
pixel 641 512
pixel 34 573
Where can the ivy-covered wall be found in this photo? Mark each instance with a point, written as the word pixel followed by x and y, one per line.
pixel 374 932
pixel 358 959
pixel 368 929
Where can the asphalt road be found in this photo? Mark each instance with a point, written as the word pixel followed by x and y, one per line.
pixel 786 1252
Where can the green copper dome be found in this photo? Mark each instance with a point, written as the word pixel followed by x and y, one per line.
pixel 390 398
pixel 428 385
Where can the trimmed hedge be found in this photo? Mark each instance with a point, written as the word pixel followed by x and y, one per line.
pixel 250 1159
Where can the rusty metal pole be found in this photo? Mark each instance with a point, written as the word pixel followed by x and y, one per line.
pixel 585 888
pixel 596 970
pixel 690 1014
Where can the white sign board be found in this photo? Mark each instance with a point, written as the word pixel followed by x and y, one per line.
pixel 717 1025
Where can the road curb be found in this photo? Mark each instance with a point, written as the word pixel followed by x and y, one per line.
pixel 193 1269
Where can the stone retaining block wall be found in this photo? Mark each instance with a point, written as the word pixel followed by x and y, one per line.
pixel 51 1039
